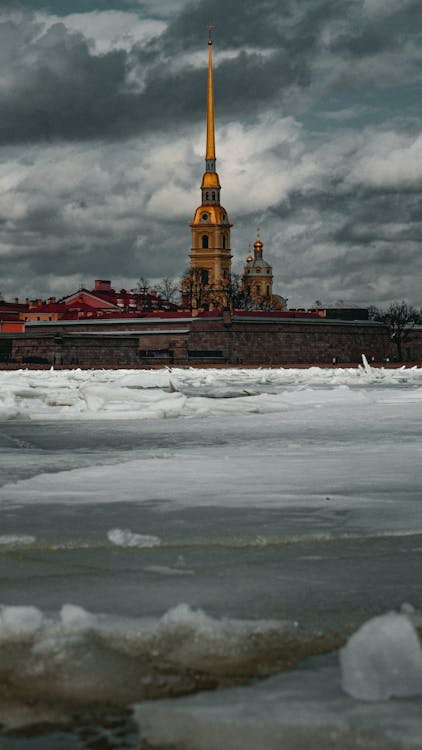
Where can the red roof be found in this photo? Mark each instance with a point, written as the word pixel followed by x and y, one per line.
pixel 11 307
pixel 81 307
pixel 49 307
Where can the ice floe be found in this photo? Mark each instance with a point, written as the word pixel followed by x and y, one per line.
pixel 158 394
pixel 127 538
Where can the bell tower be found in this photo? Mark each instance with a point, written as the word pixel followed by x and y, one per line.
pixel 210 256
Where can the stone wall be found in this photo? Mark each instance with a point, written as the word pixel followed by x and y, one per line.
pixel 206 342
pixel 274 343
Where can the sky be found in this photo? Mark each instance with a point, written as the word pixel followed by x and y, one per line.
pixel 318 137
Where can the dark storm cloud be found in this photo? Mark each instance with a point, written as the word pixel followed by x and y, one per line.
pixel 63 7
pixel 59 88
pixel 345 223
pixel 55 87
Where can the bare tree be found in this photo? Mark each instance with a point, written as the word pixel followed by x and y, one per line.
pixel 400 319
pixel 143 285
pixel 234 292
pixel 168 288
pixel 194 291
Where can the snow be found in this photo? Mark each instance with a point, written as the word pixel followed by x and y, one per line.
pixel 383 659
pixel 127 538
pixel 160 394
pixel 17 621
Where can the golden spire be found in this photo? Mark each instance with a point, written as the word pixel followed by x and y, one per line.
pixel 210 151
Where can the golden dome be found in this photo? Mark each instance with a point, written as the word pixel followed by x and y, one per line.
pixel 210 180
pixel 211 214
pixel 258 245
pixel 249 259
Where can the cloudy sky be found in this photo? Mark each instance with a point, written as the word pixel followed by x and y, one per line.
pixel 318 128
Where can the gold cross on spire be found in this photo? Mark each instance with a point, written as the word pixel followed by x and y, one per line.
pixel 210 27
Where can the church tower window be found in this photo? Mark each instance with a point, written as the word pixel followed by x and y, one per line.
pixel 205 241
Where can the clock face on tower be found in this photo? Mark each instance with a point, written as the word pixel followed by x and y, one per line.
pixel 204 216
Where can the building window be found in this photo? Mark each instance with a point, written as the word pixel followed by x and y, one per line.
pixel 248 291
pixel 205 240
pixel 213 196
pixel 224 241
pixel 207 196
pixel 268 290
pixel 224 273
pixel 204 276
pixel 258 289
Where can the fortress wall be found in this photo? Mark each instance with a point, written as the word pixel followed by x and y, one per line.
pixel 308 343
pixel 206 341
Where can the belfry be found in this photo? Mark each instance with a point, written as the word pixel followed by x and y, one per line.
pixel 210 256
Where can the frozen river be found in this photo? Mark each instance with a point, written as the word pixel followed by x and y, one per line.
pixel 182 554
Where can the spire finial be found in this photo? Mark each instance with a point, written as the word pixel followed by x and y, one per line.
pixel 210 151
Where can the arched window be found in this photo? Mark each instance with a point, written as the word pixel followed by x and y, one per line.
pixel 207 196
pixel 204 240
pixel 204 276
pixel 268 290
pixel 224 241
pixel 213 196
pixel 258 289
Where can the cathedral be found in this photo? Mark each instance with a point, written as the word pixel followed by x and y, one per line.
pixel 209 284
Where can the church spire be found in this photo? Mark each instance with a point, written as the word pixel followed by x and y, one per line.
pixel 210 149
pixel 210 181
pixel 210 257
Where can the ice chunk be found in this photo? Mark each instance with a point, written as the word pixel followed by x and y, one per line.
pixel 126 538
pixel 383 659
pixel 16 540
pixel 19 620
pixel 74 617
pixel 125 394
